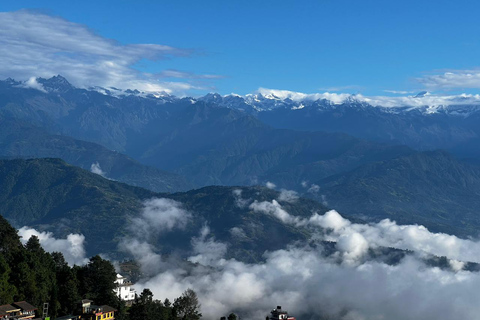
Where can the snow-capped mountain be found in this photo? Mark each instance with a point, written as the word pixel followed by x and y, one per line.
pixel 423 121
pixel 269 100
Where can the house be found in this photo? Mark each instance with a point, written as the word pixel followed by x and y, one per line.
pixel 90 311
pixel 17 311
pixel 8 311
pixel 279 314
pixel 27 310
pixel 124 289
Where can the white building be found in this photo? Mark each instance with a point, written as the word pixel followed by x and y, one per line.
pixel 124 289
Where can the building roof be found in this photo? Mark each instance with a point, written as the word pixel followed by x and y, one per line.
pixel 106 308
pixel 85 301
pixel 6 308
pixel 24 306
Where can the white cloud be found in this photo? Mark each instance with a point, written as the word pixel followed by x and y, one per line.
pixel 206 249
pixel 159 215
pixel 237 232
pixel 95 168
pixel 72 247
pixel 342 285
pixel 144 253
pixel 313 188
pixel 239 201
pixel 310 285
pixel 187 75
pixel 288 196
pixel 455 79
pixel 34 44
pixel 270 185
pixel 33 84
pixel 398 91
pixel 275 209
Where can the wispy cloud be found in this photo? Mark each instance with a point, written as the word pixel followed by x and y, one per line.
pixel 187 75
pixel 398 91
pixel 452 79
pixel 34 44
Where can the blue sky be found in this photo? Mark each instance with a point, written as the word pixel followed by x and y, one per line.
pixel 308 46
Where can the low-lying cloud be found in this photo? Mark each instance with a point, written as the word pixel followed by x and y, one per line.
pixel 311 284
pixel 95 168
pixel 159 215
pixel 72 247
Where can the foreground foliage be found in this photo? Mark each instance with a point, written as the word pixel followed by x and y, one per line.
pixel 28 272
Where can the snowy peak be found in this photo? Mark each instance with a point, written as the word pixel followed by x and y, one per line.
pixel 162 96
pixel 425 102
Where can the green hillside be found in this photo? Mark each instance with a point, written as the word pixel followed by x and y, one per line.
pixel 430 188
pixel 54 196
pixel 19 139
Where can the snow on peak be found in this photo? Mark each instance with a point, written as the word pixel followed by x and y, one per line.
pixel 429 102
pixel 119 93
pixel 336 98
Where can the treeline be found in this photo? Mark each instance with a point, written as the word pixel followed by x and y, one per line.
pixel 28 272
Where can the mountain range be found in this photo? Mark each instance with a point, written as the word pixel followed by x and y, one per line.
pixel 365 159
pixel 53 196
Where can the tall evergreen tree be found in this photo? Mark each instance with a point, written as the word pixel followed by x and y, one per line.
pixel 7 290
pixel 187 306
pixel 97 281
pixel 67 285
pixel 146 308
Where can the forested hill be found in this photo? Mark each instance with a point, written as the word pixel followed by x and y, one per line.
pixel 21 139
pixel 29 273
pixel 429 188
pixel 54 196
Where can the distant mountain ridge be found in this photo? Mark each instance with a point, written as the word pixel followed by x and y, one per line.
pixel 19 139
pixel 421 121
pixel 202 141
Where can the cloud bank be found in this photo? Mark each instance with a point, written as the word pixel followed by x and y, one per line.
pixel 345 284
pixel 34 44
